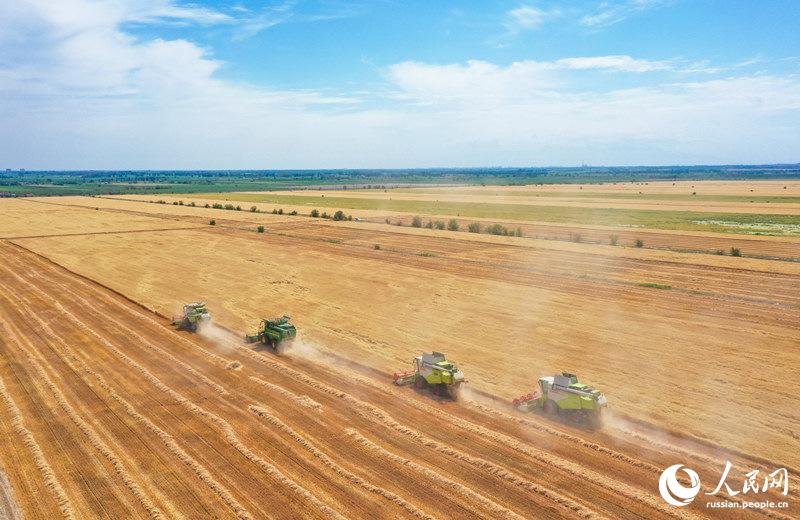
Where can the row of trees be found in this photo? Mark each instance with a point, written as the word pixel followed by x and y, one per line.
pixel 453 225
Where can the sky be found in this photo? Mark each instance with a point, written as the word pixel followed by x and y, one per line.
pixel 289 84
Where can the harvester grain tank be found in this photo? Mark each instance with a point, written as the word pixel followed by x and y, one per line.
pixel 432 371
pixel 274 332
pixel 562 395
pixel 194 314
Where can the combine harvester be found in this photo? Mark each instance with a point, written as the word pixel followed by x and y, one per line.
pixel 433 371
pixel 275 333
pixel 563 396
pixel 193 315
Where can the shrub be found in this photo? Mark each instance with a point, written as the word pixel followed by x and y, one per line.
pixel 294 212
pixel 475 227
pixel 452 225
pixel 639 242
pixel 280 211
pixel 175 203
pixel 613 239
pixel 720 252
pixel 518 232
pixel 213 222
pixel 274 211
pixel 377 247
pixel 260 229
pixel 229 207
pixel 497 229
pixel 425 253
pixel 161 202
pixel 238 208
pixel 314 213
pixel 207 205
pixel 350 217
pixel 325 215
pixel 387 220
pixel 439 224
pixel 735 251
pixel 339 215
pixel 429 224
pixel 416 222
pixel 192 204
pixel 253 209
pixel 217 205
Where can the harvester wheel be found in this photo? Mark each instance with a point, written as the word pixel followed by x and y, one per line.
pixel 420 383
pixel 550 407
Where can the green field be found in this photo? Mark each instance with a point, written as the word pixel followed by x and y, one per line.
pixel 108 182
pixel 588 194
pixel 740 223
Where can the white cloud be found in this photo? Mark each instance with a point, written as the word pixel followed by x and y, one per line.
pixel 477 81
pixel 487 110
pixel 610 13
pixel 618 63
pixel 150 11
pixel 526 17
pixel 79 92
pixel 483 82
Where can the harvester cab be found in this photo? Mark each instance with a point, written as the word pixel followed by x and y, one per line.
pixel 194 314
pixel 432 371
pixel 274 332
pixel 562 395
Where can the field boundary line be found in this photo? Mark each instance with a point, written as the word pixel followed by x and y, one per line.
pixel 91 233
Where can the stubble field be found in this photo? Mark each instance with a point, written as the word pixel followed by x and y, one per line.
pixel 696 352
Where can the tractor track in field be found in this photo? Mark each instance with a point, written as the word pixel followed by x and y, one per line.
pixel 172 431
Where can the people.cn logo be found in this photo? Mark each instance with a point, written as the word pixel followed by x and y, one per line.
pixel 675 493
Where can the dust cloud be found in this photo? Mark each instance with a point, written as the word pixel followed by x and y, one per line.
pixel 223 340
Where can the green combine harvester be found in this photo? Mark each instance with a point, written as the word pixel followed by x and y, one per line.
pixel 433 371
pixel 275 333
pixel 562 395
pixel 194 314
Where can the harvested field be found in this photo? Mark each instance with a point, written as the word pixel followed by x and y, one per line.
pixel 29 217
pixel 711 237
pixel 682 342
pixel 91 384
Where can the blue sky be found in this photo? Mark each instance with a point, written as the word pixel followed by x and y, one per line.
pixel 338 83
